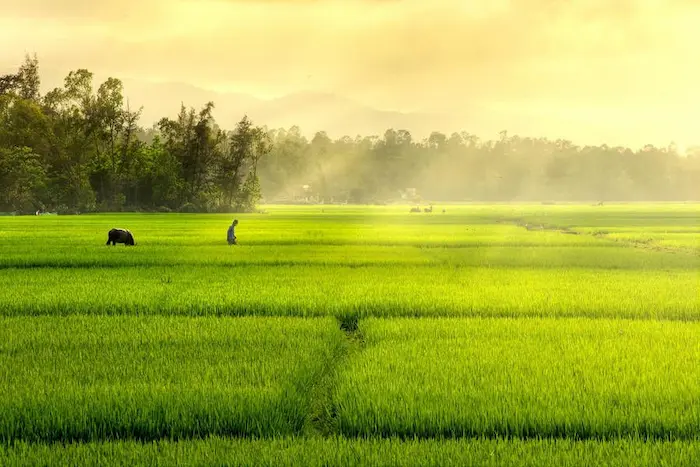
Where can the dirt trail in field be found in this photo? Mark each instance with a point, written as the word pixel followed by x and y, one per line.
pixel 322 417
pixel 531 226
pixel 647 244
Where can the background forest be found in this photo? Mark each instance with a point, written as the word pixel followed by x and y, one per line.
pixel 81 148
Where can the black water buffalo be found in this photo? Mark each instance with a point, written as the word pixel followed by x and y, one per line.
pixel 120 236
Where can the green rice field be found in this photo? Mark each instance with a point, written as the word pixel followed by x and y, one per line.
pixel 90 378
pixel 354 335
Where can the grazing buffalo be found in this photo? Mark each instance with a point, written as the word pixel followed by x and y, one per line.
pixel 120 236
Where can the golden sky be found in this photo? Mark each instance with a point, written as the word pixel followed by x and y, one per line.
pixel 623 71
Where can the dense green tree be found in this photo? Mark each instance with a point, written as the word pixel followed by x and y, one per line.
pixel 23 180
pixel 237 177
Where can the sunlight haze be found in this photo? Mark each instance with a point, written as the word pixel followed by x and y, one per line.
pixel 592 71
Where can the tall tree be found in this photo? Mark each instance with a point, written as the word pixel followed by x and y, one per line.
pixel 23 179
pixel 29 81
pixel 237 175
pixel 196 142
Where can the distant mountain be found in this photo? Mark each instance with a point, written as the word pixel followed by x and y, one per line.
pixel 338 115
pixel 163 100
pixel 311 111
pixel 342 116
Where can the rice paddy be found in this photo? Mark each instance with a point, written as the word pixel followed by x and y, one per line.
pixel 342 451
pixel 88 378
pixel 345 335
pixel 577 378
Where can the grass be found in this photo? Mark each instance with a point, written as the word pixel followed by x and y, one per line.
pixel 591 253
pixel 365 291
pixel 174 241
pixel 340 451
pixel 668 227
pixel 470 235
pixel 462 338
pixel 96 378
pixel 572 378
pixel 379 261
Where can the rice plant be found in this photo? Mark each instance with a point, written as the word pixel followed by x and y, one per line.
pixel 339 451
pixel 98 378
pixel 575 378
pixel 450 290
pixel 545 335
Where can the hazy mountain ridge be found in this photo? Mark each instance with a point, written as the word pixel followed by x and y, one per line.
pixel 311 111
pixel 339 115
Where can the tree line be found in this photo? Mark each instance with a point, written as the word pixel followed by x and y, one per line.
pixel 82 149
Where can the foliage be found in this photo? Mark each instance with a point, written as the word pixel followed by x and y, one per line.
pixel 96 157
pixel 250 194
pixel 23 179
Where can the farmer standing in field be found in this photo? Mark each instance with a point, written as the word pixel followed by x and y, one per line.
pixel 230 235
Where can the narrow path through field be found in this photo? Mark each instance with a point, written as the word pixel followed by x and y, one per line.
pixel 322 417
pixel 536 226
